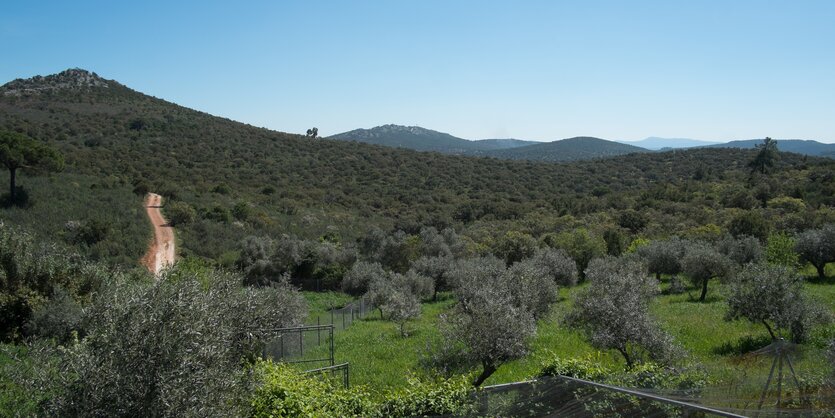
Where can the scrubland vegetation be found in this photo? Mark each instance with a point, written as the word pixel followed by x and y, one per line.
pixel 657 269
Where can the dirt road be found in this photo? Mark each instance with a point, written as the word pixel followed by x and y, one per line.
pixel 161 251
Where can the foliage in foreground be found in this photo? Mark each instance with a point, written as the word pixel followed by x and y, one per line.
pixel 286 393
pixel 173 348
pixel 648 375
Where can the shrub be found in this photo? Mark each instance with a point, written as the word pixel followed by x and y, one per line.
pixel 780 250
pixel 59 318
pixel 749 223
pixel 180 213
pixel 285 392
pixel 516 246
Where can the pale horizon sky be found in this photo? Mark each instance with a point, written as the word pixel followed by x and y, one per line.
pixel 535 70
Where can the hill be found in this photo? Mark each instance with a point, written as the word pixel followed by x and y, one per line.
pixel 656 143
pixel 506 143
pixel 411 137
pixel 422 139
pixel 571 149
pixel 799 146
pixel 241 180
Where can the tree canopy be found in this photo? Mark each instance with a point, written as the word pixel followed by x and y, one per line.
pixel 20 151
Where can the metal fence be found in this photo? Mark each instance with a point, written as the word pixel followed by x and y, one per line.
pixel 313 345
pixel 342 318
pixel 567 397
pixel 337 374
pixel 308 344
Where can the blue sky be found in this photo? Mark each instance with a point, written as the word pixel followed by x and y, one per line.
pixel 541 70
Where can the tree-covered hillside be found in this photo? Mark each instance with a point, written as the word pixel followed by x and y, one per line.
pixel 239 180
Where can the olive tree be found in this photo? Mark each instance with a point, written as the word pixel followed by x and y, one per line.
pixel 701 263
pixel 581 245
pixel 663 256
pixel 557 264
pixel 817 247
pixel 175 347
pixel 402 306
pixel 487 322
pixel 741 250
pixel 532 287
pixel 435 268
pixel 357 280
pixel 771 295
pixel 614 314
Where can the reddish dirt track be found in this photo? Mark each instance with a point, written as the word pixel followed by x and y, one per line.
pixel 161 251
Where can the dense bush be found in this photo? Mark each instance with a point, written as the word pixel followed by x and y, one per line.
pixel 32 274
pixel 172 348
pixel 180 213
pixel 284 392
pixel 780 251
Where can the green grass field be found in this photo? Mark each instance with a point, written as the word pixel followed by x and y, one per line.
pixel 380 358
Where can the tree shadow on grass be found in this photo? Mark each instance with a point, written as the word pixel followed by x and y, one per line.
pixel 21 199
pixel 742 345
pixel 818 280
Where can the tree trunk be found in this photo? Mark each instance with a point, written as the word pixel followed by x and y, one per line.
pixel 704 290
pixel 658 276
pixel 773 337
pixel 381 312
pixel 820 268
pixel 12 173
pixel 487 370
pixel 626 357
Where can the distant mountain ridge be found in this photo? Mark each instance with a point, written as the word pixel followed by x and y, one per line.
pixel 798 146
pixel 656 143
pixel 422 139
pixel 571 149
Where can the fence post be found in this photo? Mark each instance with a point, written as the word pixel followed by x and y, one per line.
pixel 347 379
pixel 332 355
pixel 318 332
pixel 301 340
pixel 281 338
pixel 331 314
pixel 343 318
